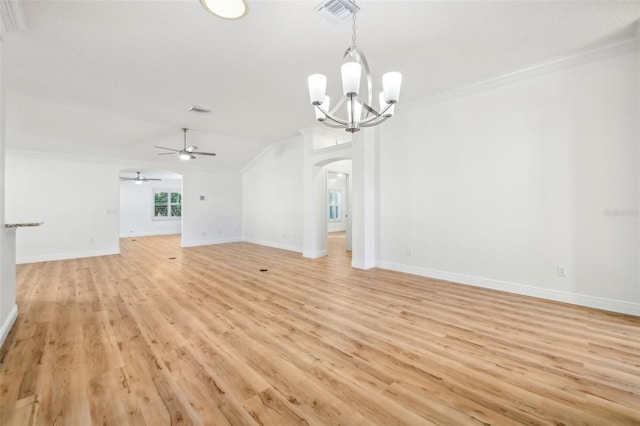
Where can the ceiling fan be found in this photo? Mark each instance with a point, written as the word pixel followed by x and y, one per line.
pixel 185 153
pixel 139 180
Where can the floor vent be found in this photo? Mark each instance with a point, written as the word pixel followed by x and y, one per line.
pixel 336 11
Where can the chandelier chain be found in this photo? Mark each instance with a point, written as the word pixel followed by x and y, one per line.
pixel 353 28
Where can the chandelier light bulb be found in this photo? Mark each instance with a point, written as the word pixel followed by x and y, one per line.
pixel 185 156
pixel 351 72
pixel 326 105
pixel 317 88
pixel 391 83
pixel 384 104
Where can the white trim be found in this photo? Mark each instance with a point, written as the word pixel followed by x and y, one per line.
pixel 579 57
pixel 522 289
pixel 344 148
pixel 210 242
pixel 65 256
pixel 314 254
pixel 282 246
pixel 8 324
pixel 149 234
pixel 359 264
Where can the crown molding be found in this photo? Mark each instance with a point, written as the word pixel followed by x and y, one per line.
pixel 577 58
pixel 12 16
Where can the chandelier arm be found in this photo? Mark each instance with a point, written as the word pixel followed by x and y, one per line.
pixel 332 117
pixel 368 120
pixel 376 113
pixel 367 73
pixel 370 110
pixel 371 123
pixel 338 105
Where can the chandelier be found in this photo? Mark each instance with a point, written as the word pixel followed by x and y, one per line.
pixel 359 113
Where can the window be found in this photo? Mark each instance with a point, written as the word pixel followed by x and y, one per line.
pixel 167 205
pixel 335 205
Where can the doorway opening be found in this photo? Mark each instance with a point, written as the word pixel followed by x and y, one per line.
pixel 150 203
pixel 338 208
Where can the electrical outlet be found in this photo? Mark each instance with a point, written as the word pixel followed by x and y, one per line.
pixel 562 271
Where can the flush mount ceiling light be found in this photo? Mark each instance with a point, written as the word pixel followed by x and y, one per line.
pixel 227 9
pixel 359 113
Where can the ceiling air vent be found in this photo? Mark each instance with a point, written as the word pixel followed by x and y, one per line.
pixel 336 11
pixel 201 110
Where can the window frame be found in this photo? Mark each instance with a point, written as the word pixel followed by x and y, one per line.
pixel 336 204
pixel 169 204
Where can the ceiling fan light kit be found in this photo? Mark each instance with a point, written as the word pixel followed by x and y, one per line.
pixel 186 153
pixel 359 113
pixel 226 9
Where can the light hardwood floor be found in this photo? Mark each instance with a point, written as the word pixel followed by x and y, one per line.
pixel 163 335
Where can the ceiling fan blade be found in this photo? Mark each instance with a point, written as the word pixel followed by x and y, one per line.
pixel 167 153
pixel 191 148
pixel 145 179
pixel 170 149
pixel 126 178
pixel 204 153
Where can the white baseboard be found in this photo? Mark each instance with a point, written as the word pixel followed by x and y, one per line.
pixel 8 323
pixel 314 254
pixel 613 305
pixel 210 242
pixel 363 264
pixel 63 256
pixel 282 246
pixel 148 234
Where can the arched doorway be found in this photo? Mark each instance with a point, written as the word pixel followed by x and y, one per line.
pixel 150 202
pixel 362 151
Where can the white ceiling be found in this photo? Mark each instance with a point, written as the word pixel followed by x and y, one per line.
pixel 115 78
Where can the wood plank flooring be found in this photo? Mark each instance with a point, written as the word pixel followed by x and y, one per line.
pixel 161 335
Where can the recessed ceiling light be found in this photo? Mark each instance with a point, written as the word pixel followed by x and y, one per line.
pixel 227 9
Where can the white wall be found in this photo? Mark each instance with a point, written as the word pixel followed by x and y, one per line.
pixel 136 209
pixel 78 201
pixel 217 218
pixel 272 196
pixel 8 307
pixel 499 187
